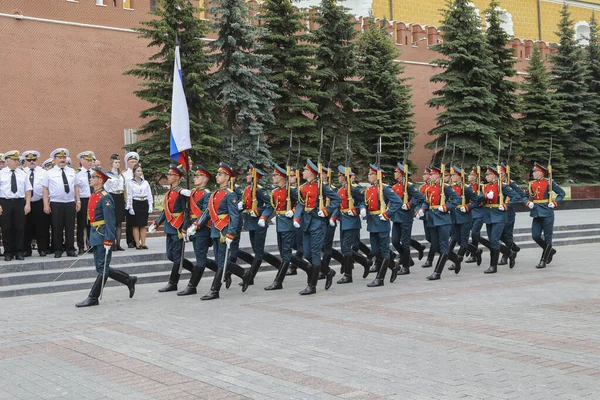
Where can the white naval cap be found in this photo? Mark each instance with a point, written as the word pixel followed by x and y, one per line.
pixel 60 152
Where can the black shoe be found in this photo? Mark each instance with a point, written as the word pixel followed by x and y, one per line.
pixel 171 287
pixel 309 289
pixel 138 248
pixel 457 268
pixel 131 285
pixel 210 296
pixel 28 254
pixel 144 247
pixel 187 291
pixel 551 255
pixel 329 279
pixel 512 260
pixel 503 260
pixel 434 277
pixel 71 253
pixel 130 245
pixel 478 256
pixel 404 271
pixel 394 273
pixel 57 254
pixel 80 252
pixel 421 252
pixel 427 264
pixel 471 259
pixel 119 248
pixel 491 270
pixel 43 253
pixel 275 286
pixel 452 267
pixel 321 276
pixel 292 271
pixel 227 280
pixel 376 283
pixel 8 258
pixel 19 257
pixel 541 265
pixel 90 301
pixel 345 279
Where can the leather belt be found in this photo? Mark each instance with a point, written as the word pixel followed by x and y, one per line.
pixel 492 205
pixel 541 201
pixel 378 212
pixel 281 212
pixel 98 223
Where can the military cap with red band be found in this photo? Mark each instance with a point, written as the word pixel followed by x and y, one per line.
pixel 491 170
pixel 311 166
pixel 259 173
pixel 435 170
pixel 173 168
pixel 474 170
pixel 374 168
pixel 226 169
pixel 200 170
pixel 280 171
pixel 99 173
pixel 342 170
pixel 538 167
pixel 456 170
pixel 503 168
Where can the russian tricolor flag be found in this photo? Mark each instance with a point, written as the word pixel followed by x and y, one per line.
pixel 180 118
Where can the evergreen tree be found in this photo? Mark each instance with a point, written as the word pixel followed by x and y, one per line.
pixel 175 17
pixel 465 99
pixel 541 119
pixel 291 62
pixel 569 80
pixel 241 86
pixel 504 89
pixel 593 66
pixel 385 107
pixel 336 68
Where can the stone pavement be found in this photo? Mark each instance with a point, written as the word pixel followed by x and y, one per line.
pixel 519 334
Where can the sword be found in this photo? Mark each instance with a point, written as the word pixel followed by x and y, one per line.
pixel 226 260
pixel 74 262
pixel 103 272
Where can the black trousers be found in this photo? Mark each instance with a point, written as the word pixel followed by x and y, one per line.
pixel 63 222
pixel 13 226
pixel 37 226
pixel 83 225
pixel 129 223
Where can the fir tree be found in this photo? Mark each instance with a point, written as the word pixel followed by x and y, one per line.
pixel 336 67
pixel 241 86
pixel 504 89
pixel 569 80
pixel 175 17
pixel 291 62
pixel 385 107
pixel 541 119
pixel 593 66
pixel 465 99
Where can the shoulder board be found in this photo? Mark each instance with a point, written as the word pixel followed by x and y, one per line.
pixel 103 192
pixel 228 190
pixel 259 186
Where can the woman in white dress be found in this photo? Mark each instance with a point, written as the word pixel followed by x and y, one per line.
pixel 139 204
pixel 116 187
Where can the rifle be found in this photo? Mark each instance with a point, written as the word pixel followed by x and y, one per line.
pixel 232 180
pixel 327 202
pixel 500 195
pixel 508 163
pixel 462 179
pixel 434 153
pixel 320 168
pixel 254 180
pixel 288 171
pixel 479 170
pixel 405 163
pixel 347 174
pixel 298 167
pixel 550 173
pixel 382 207
pixel 443 183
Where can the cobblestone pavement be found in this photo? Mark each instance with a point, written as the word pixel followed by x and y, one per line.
pixel 519 334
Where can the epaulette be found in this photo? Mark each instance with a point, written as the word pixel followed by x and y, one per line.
pixel 228 189
pixel 103 192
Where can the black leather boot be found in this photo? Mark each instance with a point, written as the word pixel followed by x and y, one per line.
pixel 92 299
pixel 439 268
pixel 215 287
pixel 379 280
pixel 503 260
pixel 173 280
pixel 298 262
pixel 418 246
pixel 124 278
pixel 543 258
pixel 253 271
pixel 461 256
pixel 405 270
pixel 365 249
pixel 376 265
pixel 475 254
pixel 494 255
pixel 339 257
pixel 329 274
pixel 430 258
pixel 278 282
pixel 311 280
pixel 348 266
pixel 551 252
pixel 191 288
pixel 364 261
pixel 243 274
pixel 271 260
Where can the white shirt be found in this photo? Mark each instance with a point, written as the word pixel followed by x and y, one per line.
pixel 23 184
pixel 84 183
pixel 39 174
pixel 54 182
pixel 115 184
pixel 128 174
pixel 137 190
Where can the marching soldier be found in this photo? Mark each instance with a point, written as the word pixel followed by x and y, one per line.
pixel 200 237
pixel 381 203
pixel 15 204
pixel 403 219
pixel 477 216
pixel 495 213
pixel 507 234
pixel 175 217
pixel 330 228
pixel 311 215
pixel 223 214
pixel 352 202
pixel 37 225
pixel 101 214
pixel 61 202
pixel 440 201
pixel 86 159
pixel 298 243
pixel 421 214
pixel 542 208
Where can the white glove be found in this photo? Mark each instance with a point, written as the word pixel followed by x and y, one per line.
pixel 240 205
pixel 296 224
pixel 289 214
pixel 261 223
pixel 463 209
pixel 490 195
pixel 131 211
pixel 382 217
pixel 421 213
pixel 550 205
pixel 253 214
pixel 405 206
pixel 351 213
pixel 107 247
pixel 274 220
pixel 363 212
pixel 502 207
pixel 150 210
pixel 151 228
pixel 332 222
pixel 441 208
pixel 321 214
pixel 185 192
pixel 192 230
pixel 228 241
pixel 531 205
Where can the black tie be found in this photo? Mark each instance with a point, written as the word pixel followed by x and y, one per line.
pixel 13 182
pixel 65 181
pixel 89 178
pixel 31 178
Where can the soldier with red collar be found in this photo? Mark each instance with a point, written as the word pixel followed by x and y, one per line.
pixel 403 220
pixel 312 216
pixel 421 214
pixel 440 200
pixel 175 217
pixel 223 214
pixel 381 203
pixel 477 215
pixel 507 235
pixel 495 213
pixel 101 214
pixel 542 208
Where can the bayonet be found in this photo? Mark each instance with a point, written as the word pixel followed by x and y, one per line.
pixel 443 183
pixel 288 171
pixel 500 195
pixel 382 207
pixel 508 163
pixel 550 173
pixel 347 175
pixel 320 171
